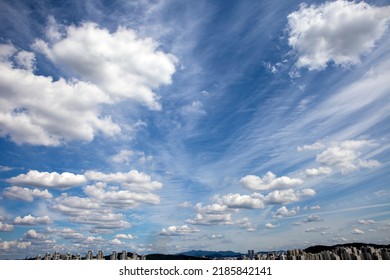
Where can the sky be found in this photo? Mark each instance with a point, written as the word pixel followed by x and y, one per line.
pixel 168 126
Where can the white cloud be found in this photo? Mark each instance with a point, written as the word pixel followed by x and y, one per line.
pixel 48 180
pixel 115 242
pixel 178 230
pixel 132 180
pixel 211 219
pixel 357 231
pixel 124 156
pixel 337 31
pixel 26 194
pixel 241 201
pixel 121 198
pixel 346 156
pixel 313 172
pixel 287 196
pixel 120 63
pixel 75 206
pixel 68 233
pixel 270 226
pixel 31 220
pixel 246 224
pixel 103 222
pixel 32 234
pixel 315 146
pixel 312 218
pixel 284 212
pixel 8 245
pixel 193 109
pixel 5 168
pixel 185 204
pixel 6 227
pixel 366 222
pixel 40 111
pixel 269 181
pixel 214 208
pixel 124 236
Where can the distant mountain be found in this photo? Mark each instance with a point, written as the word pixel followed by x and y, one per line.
pixel 173 257
pixel 212 254
pixel 320 248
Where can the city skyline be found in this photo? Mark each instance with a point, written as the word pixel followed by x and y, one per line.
pixel 169 126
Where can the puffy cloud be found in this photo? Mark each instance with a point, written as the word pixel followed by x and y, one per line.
pixel 313 172
pixel 185 204
pixel 26 194
pixel 346 156
pixel 241 201
pixel 312 147
pixel 8 245
pixel 121 198
pixel 178 230
pixel 211 219
pixel 48 180
pixel 31 220
pixel 337 31
pixel 32 234
pixel 312 218
pixel 287 196
pixel 119 63
pixel 132 180
pixel 115 242
pixel 317 229
pixel 366 222
pixel 270 226
pixel 284 212
pixel 75 206
pixel 123 156
pixel 124 236
pixel 246 224
pixel 40 111
pixel 71 234
pixel 269 181
pixel 103 222
pixel 194 109
pixel 357 231
pixel 211 208
pixel 6 227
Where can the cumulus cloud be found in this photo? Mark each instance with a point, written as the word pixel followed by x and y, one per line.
pixel 312 218
pixel 48 180
pixel 312 147
pixel 124 156
pixel 241 201
pixel 246 224
pixel 71 234
pixel 31 220
pixel 120 63
pixel 33 234
pixel 357 231
pixel 313 172
pixel 211 219
pixel 185 204
pixel 178 230
pixel 6 227
pixel 132 180
pixel 124 236
pixel 270 226
pixel 75 206
pixel 366 222
pixel 104 69
pixel 284 212
pixel 40 111
pixel 346 156
pixel 26 194
pixel 338 31
pixel 103 222
pixel 287 196
pixel 269 181
pixel 120 198
pixel 115 242
pixel 8 245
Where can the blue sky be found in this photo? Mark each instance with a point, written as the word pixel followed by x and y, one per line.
pixel 167 126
